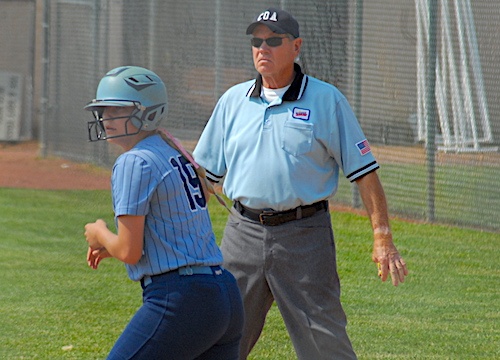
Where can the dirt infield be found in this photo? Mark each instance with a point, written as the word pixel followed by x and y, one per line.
pixel 22 167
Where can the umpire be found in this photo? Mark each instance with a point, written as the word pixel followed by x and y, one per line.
pixel 279 142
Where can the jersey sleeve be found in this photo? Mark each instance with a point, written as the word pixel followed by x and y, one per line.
pixel 133 182
pixel 349 145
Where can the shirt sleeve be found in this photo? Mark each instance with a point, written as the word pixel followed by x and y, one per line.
pixel 209 151
pixel 349 145
pixel 133 183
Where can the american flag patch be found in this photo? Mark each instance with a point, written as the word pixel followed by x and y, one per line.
pixel 363 147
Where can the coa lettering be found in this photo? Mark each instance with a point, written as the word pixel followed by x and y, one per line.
pixel 267 15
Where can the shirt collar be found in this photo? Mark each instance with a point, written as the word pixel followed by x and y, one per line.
pixel 293 93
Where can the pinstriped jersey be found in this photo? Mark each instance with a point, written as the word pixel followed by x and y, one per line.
pixel 286 153
pixel 154 180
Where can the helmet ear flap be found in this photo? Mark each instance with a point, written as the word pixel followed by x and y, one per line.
pixel 136 120
pixel 152 116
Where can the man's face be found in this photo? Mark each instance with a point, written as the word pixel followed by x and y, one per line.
pixel 274 61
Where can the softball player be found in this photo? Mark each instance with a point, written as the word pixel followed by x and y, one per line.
pixel 191 305
pixel 279 142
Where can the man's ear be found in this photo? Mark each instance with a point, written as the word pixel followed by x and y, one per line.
pixel 298 45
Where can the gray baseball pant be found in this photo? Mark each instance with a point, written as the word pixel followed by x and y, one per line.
pixel 295 265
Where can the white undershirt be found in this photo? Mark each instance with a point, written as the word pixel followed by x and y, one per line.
pixel 272 94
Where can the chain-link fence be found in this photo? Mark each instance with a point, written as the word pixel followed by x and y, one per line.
pixel 421 75
pixel 16 69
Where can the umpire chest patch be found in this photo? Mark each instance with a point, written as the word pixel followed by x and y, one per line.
pixel 301 114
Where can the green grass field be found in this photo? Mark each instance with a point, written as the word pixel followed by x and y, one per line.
pixel 52 306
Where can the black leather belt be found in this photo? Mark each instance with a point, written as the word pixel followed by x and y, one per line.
pixel 273 218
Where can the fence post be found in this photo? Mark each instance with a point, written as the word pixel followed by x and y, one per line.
pixel 430 140
pixel 358 49
pixel 44 99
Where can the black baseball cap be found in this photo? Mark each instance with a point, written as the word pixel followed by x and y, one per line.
pixel 279 21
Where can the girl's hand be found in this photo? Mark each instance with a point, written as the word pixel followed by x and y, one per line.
pixel 92 233
pixel 94 256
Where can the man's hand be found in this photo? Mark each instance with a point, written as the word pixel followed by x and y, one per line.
pixel 387 258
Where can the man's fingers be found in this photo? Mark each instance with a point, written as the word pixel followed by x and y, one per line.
pixel 398 271
pixel 383 270
pixel 394 266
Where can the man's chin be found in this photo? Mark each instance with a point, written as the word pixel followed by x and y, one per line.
pixel 264 65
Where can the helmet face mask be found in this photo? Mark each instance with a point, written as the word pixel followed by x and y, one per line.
pixel 128 86
pixel 97 128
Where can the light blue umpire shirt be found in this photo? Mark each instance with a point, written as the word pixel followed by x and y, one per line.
pixel 286 153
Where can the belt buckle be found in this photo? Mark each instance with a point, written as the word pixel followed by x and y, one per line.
pixel 146 280
pixel 264 215
pixel 189 270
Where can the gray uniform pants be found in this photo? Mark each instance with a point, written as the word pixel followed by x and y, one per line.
pixel 293 264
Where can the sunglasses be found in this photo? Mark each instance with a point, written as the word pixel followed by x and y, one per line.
pixel 272 41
